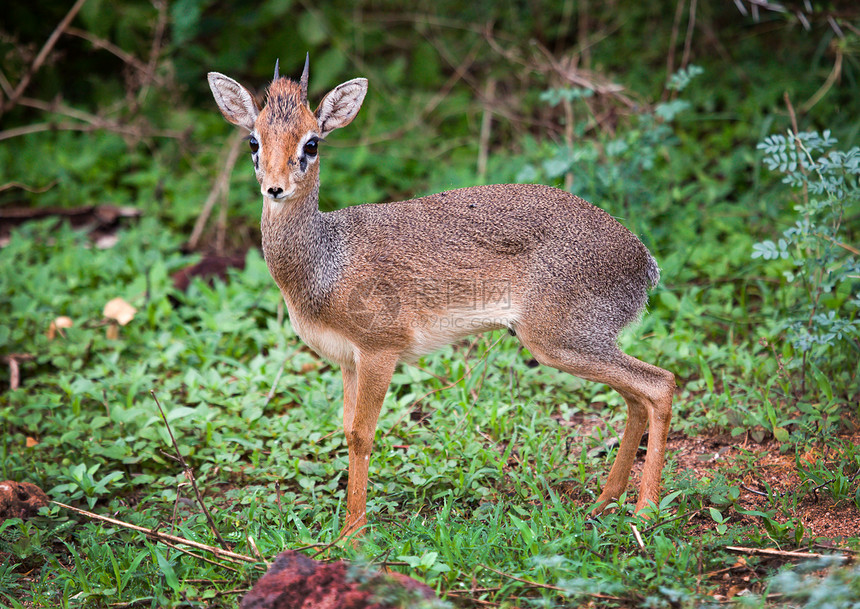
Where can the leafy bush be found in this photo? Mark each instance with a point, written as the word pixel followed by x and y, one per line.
pixel 819 313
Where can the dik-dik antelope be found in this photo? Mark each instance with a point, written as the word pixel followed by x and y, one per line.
pixel 373 285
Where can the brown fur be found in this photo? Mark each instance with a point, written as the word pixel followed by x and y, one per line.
pixel 370 286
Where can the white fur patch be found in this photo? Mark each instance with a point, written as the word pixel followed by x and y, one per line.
pixel 324 341
pixel 445 327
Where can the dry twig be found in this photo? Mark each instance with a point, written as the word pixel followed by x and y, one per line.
pixel 88 122
pixel 155 49
pixel 43 54
pixel 189 473
pixel 107 45
pixel 33 189
pixel 219 190
pixel 772 552
pixel 287 358
pixel 163 537
pixel 521 580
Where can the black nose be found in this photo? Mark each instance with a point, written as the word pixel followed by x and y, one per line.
pixel 275 191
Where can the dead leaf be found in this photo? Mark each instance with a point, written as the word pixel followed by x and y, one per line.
pixel 31 442
pixel 810 456
pixel 58 325
pixel 105 242
pixel 120 311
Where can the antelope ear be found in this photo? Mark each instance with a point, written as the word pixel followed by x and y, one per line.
pixel 340 105
pixel 235 101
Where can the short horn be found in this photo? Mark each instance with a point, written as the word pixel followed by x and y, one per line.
pixel 304 81
pixel 277 76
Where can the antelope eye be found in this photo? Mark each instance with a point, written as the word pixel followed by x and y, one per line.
pixel 311 146
pixel 254 144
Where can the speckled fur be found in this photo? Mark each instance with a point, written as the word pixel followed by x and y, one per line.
pixel 369 286
pixel 560 256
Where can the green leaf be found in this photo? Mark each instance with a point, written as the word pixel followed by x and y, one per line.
pixel 822 381
pixel 524 528
pixel 166 569
pixel 669 300
pixel 428 560
pixel 666 501
pixel 716 514
pixel 412 561
pixel 781 434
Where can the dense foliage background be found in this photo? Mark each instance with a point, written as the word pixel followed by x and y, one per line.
pixel 724 134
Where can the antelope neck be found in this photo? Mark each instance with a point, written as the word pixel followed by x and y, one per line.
pixel 301 251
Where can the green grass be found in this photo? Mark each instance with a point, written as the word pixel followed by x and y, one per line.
pixel 480 480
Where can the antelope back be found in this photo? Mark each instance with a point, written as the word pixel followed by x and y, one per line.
pixel 285 134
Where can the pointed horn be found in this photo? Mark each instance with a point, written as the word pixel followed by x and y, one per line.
pixel 304 81
pixel 277 76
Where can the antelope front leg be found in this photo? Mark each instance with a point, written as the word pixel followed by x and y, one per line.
pixel 370 381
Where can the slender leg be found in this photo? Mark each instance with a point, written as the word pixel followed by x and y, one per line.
pixel 637 419
pixel 350 378
pixel 659 417
pixel 372 377
pixel 648 391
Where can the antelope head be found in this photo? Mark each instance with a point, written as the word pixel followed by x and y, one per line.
pixel 285 133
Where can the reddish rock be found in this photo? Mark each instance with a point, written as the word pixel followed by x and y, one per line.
pixel 20 499
pixel 295 581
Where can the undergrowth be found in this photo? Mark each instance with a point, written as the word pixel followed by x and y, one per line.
pixel 479 485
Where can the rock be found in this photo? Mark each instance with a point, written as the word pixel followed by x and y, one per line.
pixel 295 581
pixel 20 499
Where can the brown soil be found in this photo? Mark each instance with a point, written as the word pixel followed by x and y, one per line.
pixel 751 466
pixel 820 515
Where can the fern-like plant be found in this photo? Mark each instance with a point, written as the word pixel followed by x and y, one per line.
pixel 823 299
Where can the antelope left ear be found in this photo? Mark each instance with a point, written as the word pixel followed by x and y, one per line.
pixel 235 101
pixel 340 105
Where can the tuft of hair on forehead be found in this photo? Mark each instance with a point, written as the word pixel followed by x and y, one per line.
pixel 283 99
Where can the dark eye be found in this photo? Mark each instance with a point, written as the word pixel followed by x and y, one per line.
pixel 254 144
pixel 311 146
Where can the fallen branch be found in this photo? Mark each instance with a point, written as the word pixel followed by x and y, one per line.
pixel 163 537
pixel 772 552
